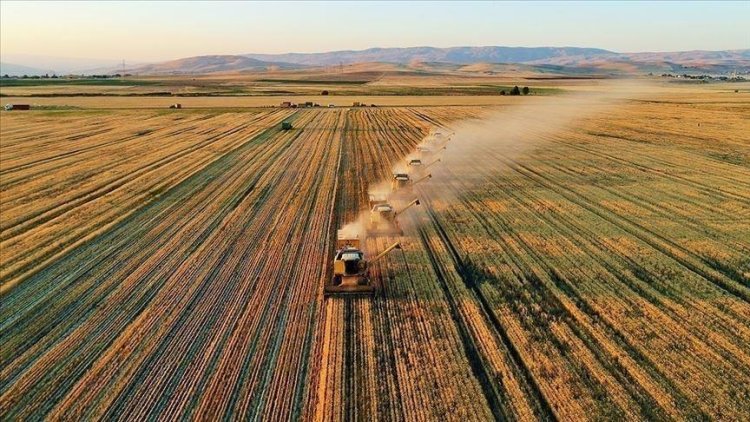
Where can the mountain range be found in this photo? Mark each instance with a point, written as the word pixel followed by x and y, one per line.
pixel 562 59
pixel 458 55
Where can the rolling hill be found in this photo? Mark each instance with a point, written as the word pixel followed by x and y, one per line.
pixel 12 69
pixel 558 59
pixel 563 60
pixel 211 64
pixel 458 55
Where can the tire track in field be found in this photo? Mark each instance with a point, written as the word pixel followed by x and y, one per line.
pixel 655 240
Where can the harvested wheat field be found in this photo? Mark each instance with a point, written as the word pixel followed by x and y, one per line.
pixel 570 259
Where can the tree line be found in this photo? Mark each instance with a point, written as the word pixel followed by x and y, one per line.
pixel 516 91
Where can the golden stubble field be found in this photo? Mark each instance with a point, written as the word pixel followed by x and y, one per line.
pixel 584 265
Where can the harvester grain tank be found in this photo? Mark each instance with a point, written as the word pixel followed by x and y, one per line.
pixel 383 219
pixel 350 267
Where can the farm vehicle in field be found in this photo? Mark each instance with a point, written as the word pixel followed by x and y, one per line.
pixel 351 267
pixel 384 221
pixel 402 181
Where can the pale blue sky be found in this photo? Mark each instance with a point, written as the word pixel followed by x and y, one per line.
pixel 141 31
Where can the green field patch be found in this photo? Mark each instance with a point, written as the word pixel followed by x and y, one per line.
pixel 313 81
pixel 9 82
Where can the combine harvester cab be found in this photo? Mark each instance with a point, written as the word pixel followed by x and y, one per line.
pixel 350 268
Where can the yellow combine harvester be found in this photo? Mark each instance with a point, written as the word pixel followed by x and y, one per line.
pixel 350 267
pixel 383 219
pixel 402 181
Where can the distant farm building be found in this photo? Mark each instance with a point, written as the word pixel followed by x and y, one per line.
pixel 286 104
pixel 10 107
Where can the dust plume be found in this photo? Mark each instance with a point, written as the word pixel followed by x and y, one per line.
pixel 483 147
pixel 473 151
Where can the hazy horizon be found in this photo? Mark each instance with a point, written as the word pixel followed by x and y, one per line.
pixel 150 32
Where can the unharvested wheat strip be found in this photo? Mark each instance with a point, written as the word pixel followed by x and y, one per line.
pixel 616 392
pixel 592 238
pixel 457 298
pixel 491 348
pixel 706 334
pixel 560 366
pixel 659 242
pixel 465 304
pixel 412 307
pixel 545 367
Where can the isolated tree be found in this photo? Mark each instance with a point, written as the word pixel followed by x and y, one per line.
pixel 525 90
pixel 502 92
pixel 515 91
